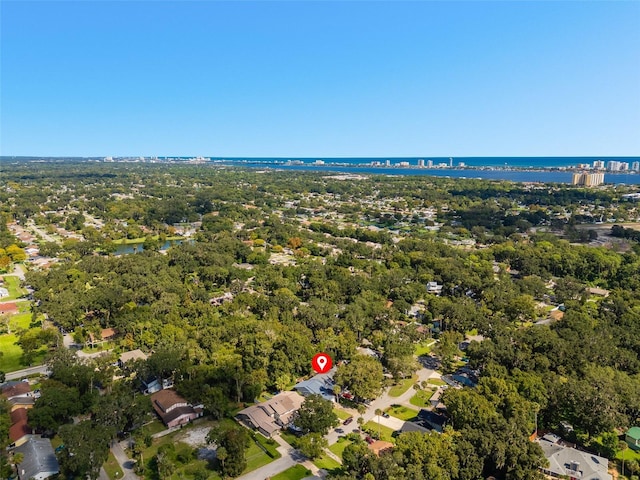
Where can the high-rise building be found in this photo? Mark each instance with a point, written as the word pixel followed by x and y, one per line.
pixel 598 165
pixel 588 179
pixel 429 163
pixel 421 162
pixel 635 166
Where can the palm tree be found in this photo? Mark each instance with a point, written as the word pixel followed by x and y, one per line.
pixel 336 391
pixel 378 413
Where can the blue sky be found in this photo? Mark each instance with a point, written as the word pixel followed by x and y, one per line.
pixel 320 79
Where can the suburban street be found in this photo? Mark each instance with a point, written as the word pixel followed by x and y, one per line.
pixel 25 372
pixel 383 402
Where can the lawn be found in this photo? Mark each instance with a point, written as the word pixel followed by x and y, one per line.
pixel 12 354
pixel 403 413
pixel 386 433
pixel 421 398
pixel 152 428
pixel 297 472
pixel 402 386
pixel 326 462
pixel 256 457
pixel 423 348
pixel 628 454
pixel 13 285
pixel 112 468
pixel 269 445
pixel 289 437
pixel 436 381
pixel 338 447
pixel 342 414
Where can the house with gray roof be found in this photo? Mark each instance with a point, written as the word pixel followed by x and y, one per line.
pixel 38 459
pixel 567 462
pixel 320 384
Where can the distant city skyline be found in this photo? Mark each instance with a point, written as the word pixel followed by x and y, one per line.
pixel 319 79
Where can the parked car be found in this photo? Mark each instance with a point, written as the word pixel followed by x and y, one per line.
pixel 385 414
pixel 348 421
pixel 369 440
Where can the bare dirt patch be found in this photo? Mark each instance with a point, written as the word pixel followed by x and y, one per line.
pixel 197 438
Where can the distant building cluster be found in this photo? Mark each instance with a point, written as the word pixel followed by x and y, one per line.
pixel 588 179
pixel 616 166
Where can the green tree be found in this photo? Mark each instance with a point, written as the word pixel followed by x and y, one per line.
pixel 312 445
pixel 362 376
pixel 235 440
pixel 316 415
pixel 86 448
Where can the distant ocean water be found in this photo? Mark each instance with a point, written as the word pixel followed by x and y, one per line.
pixel 517 169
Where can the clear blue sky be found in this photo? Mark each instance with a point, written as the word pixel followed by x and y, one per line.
pixel 320 79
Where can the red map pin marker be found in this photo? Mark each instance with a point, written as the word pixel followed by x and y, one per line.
pixel 321 363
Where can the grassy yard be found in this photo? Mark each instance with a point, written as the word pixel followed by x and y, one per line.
pixel 256 458
pixel 326 462
pixel 288 437
pixel 338 447
pixel 12 354
pixel 385 432
pixel 112 468
pixel 342 414
pixel 402 386
pixel 436 381
pixel 297 472
pixel 13 285
pixel 423 348
pixel 628 454
pixel 152 428
pixel 403 413
pixel 421 398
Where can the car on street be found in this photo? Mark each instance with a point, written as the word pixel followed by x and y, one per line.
pixel 348 421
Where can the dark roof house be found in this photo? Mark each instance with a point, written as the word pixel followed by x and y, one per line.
pixel 173 409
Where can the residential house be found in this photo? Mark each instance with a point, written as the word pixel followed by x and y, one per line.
pixel 131 355
pixel 380 446
pixel 19 431
pixel 106 334
pixel 600 292
pixel 567 462
pixel 38 459
pixel 8 308
pixel 432 420
pixel 320 384
pixel 153 385
pixel 18 394
pixel 173 409
pixel 272 415
pixel 632 438
pixel 433 287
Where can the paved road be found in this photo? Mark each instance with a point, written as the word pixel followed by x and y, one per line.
pixel 42 369
pixel 48 238
pixel 126 464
